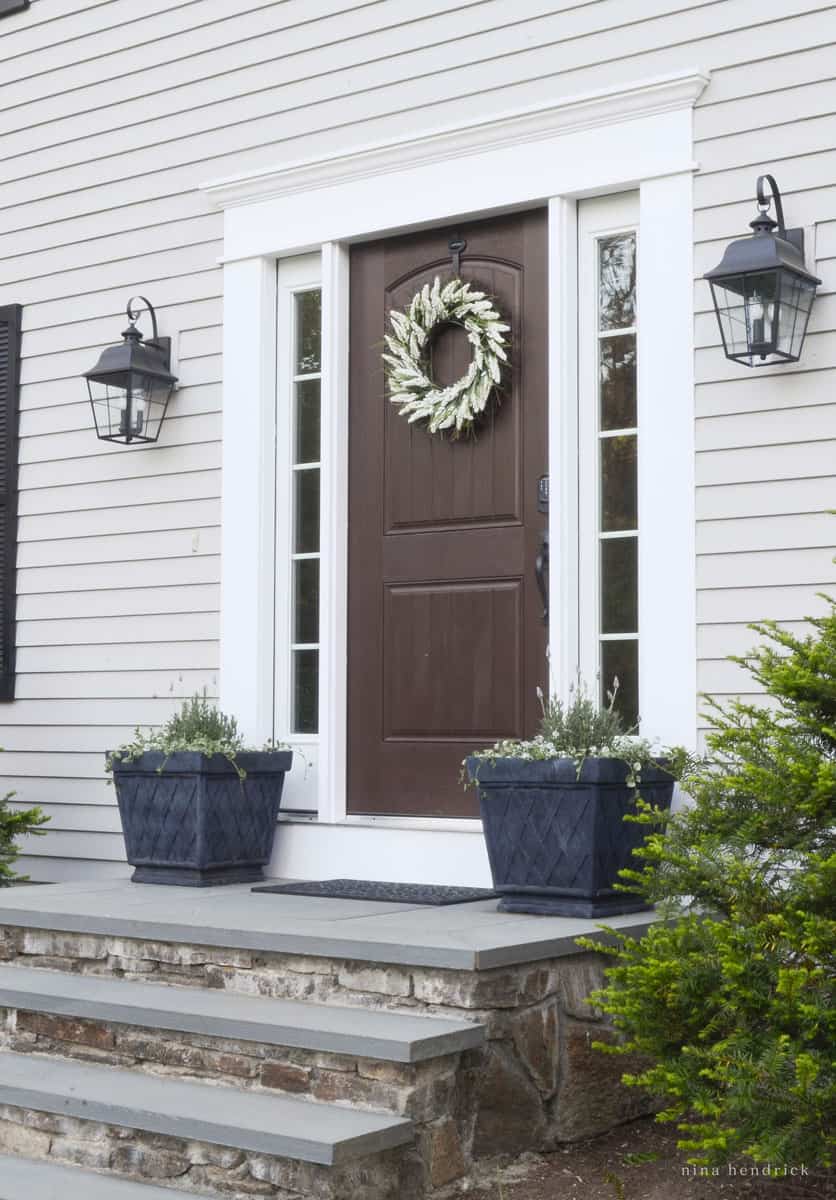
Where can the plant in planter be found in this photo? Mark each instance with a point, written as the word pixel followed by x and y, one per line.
pixel 197 807
pixel 556 808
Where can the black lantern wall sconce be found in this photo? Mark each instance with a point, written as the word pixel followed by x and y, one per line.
pixel 762 291
pixel 131 384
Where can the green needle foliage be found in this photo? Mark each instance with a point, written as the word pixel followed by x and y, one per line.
pixel 14 823
pixel 731 1000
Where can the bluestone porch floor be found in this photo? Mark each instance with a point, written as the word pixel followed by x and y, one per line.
pixel 463 936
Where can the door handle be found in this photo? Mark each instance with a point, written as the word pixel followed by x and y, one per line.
pixel 541 573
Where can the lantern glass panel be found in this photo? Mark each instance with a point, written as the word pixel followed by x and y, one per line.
pixel 129 406
pixel 748 309
pixel 794 313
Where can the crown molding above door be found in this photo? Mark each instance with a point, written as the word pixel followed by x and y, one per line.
pixel 607 106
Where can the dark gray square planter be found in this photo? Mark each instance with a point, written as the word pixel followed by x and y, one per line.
pixel 556 843
pixel 198 823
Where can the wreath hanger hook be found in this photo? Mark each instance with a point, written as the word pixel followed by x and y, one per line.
pixel 457 245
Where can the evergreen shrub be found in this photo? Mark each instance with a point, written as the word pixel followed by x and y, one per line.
pixel 730 1000
pixel 14 823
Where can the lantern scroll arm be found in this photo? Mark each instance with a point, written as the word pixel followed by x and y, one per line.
pixel 764 201
pixel 134 314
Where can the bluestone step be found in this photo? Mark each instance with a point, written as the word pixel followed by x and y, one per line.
pixel 394 1037
pixel 23 1179
pixel 258 1121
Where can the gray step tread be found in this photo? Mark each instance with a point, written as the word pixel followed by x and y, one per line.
pixel 266 1123
pixel 23 1179
pixel 394 1037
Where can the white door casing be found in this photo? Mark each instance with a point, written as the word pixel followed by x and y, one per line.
pixel 634 139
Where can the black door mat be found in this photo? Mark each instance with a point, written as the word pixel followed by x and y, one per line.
pixel 391 893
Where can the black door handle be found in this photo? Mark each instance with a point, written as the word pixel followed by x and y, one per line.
pixel 541 572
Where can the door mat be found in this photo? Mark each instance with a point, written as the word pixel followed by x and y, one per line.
pixel 391 893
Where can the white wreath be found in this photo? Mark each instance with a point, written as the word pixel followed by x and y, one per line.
pixel 456 407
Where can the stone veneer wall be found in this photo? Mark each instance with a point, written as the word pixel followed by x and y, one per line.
pixel 537 1082
pixel 177 1163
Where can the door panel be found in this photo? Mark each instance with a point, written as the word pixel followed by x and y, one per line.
pixel 446 639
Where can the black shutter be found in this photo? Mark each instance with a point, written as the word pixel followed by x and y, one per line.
pixel 9 387
pixel 7 7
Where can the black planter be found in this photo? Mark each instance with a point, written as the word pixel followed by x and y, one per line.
pixel 198 823
pixel 556 843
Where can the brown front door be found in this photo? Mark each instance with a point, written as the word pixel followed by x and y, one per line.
pixel 446 642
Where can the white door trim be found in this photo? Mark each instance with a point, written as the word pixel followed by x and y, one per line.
pixel 610 141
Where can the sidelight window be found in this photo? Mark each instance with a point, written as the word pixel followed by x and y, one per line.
pixel 617 473
pixel 609 448
pixel 305 492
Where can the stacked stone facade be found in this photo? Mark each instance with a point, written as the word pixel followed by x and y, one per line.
pixel 535 1083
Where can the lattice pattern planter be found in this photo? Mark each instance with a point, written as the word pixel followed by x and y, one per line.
pixel 556 843
pixel 197 823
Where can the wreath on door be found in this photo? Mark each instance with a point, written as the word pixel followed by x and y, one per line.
pixel 452 410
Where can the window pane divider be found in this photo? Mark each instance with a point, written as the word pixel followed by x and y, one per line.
pixel 628 431
pixel 612 535
pixel 304 645
pixel 618 637
pixel 609 333
pixel 304 376
pixel 311 466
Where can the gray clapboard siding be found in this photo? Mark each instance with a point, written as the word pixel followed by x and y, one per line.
pixel 78 845
pixel 810 423
pixel 52 764
pixel 52 637
pixel 765 568
pixel 70 739
pixel 86 793
pixel 746 394
pixel 762 500
pixel 156 572
pixel 716 641
pixel 190 484
pixel 719 677
pixel 161 608
pixel 84 279
pixel 132 711
pixel 180 431
pixel 93 522
pixel 84 228
pixel 79 818
pixel 119 247
pixel 175 684
pixel 792 460
pixel 785 602
pixel 109 125
pixel 57 870
pixel 121 464
pixel 734 536
pixel 118 657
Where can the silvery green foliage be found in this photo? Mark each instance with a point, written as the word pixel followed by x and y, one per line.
pixel 198 726
pixel 584 729
pixel 452 409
